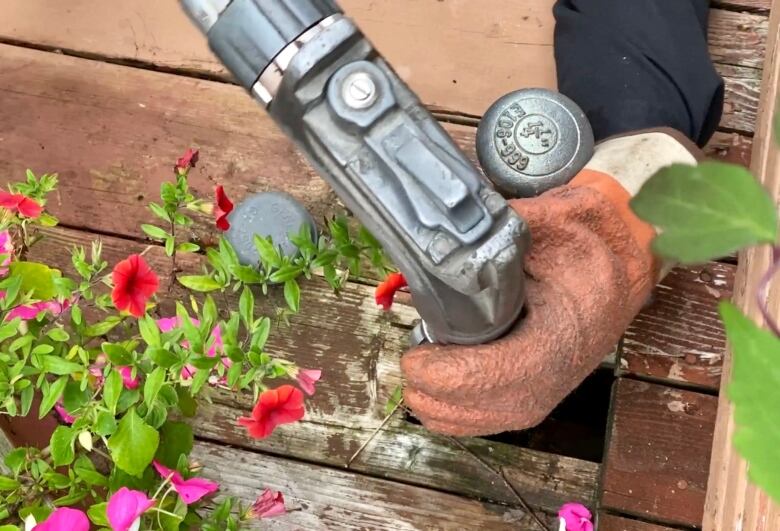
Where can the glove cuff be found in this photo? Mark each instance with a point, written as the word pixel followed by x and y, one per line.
pixel 620 167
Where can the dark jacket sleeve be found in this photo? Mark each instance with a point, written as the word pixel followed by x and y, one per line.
pixel 639 64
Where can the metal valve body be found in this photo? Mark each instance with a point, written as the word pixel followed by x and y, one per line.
pixel 452 236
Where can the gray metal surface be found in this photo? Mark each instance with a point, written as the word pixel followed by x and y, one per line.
pixel 453 237
pixel 274 214
pixel 532 140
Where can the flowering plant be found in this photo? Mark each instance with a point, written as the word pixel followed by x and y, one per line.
pixel 95 352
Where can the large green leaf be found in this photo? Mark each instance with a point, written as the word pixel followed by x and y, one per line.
pixel 61 445
pixel 755 391
pixel 134 444
pixel 36 278
pixel 200 283
pixel 175 439
pixel 706 211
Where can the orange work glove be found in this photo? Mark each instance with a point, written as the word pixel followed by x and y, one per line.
pixel 588 273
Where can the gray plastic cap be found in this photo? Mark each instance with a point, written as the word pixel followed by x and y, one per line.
pixel 532 140
pixel 274 214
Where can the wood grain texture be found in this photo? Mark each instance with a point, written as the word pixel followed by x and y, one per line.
pixel 658 452
pixel 679 336
pixel 760 6
pixel 610 522
pixel 323 498
pixel 732 501
pixel 470 56
pixel 358 348
pixel 112 133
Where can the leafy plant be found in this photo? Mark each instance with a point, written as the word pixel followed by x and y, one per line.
pixel 122 379
pixel 706 212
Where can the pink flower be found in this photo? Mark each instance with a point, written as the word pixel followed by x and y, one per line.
pixel 27 207
pixel 268 505
pixel 307 378
pixel 7 250
pixel 190 490
pixel 127 378
pixel 187 161
pixel 28 312
pixel 576 517
pixel 167 324
pixel 66 417
pixel 282 405
pixel 125 509
pixel 64 519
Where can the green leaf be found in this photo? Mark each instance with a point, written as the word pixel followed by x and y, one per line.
pixel 269 254
pixel 755 391
pixel 105 424
pixel 36 278
pixel 74 397
pixel 103 327
pixel 706 211
pixel 286 273
pixel 227 253
pixel 234 373
pixel 247 274
pixel 134 444
pixel 112 388
pixel 26 396
pixel 51 393
pixel 395 398
pixel 199 283
pixel 58 334
pixel 260 337
pixel 59 366
pixel 187 404
pixel 98 515
pixel 292 294
pixel 170 245
pixel 246 306
pixel 149 331
pixel 127 399
pixel 156 233
pixel 85 469
pixel 162 357
pixel 152 385
pixel 176 439
pixel 61 445
pixel 188 247
pixel 15 459
pixel 117 354
pixel 160 212
pixel 8 484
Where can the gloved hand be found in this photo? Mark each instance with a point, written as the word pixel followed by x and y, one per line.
pixel 588 273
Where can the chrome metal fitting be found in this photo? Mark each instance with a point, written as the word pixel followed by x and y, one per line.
pixel 205 13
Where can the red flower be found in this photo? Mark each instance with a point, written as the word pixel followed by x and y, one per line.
pixel 277 406
pixel 222 209
pixel 134 284
pixel 386 290
pixel 268 505
pixel 20 203
pixel 188 161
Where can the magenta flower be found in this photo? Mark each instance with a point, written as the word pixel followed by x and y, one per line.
pixel 188 371
pixel 7 250
pixel 66 417
pixel 30 311
pixel 64 518
pixel 190 490
pixel 307 378
pixel 129 382
pixel 576 517
pixel 125 508
pixel 268 505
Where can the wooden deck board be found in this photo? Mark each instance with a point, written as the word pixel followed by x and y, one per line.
pixel 327 499
pixel 608 522
pixel 452 74
pixel 658 453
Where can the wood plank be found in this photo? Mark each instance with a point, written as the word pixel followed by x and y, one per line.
pixel 732 501
pixel 758 6
pixel 324 498
pixel 658 453
pixel 609 522
pixel 452 74
pixel 358 347
pixel 730 147
pixel 741 97
pixel 679 336
pixel 112 132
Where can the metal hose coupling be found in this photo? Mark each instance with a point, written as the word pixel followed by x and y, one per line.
pixel 454 238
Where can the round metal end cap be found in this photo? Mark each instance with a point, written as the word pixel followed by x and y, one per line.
pixel 274 214
pixel 532 140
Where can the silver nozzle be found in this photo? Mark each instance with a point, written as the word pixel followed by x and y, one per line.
pixel 204 13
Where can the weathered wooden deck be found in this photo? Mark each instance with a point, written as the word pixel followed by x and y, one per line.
pixel 107 94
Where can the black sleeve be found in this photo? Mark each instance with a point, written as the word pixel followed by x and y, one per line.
pixel 638 64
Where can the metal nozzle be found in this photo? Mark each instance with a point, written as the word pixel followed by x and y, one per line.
pixel 204 13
